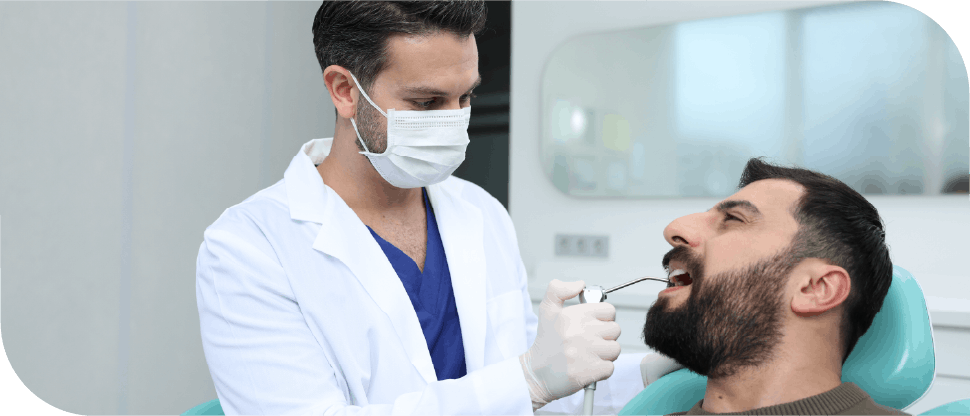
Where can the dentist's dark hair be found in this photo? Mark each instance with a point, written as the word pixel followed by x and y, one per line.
pixel 353 34
pixel 837 224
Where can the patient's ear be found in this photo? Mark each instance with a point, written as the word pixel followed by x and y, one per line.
pixel 821 287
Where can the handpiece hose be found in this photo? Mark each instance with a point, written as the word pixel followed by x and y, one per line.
pixel 591 294
pixel 596 294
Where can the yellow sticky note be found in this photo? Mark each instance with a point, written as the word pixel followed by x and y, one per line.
pixel 616 132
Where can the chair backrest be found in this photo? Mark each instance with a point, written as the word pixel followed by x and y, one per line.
pixel 894 361
pixel 959 407
pixel 211 407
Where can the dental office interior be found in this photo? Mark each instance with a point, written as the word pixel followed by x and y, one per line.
pixel 128 127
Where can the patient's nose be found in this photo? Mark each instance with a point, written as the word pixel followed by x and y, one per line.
pixel 685 231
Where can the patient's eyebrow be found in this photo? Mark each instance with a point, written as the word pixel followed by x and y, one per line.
pixel 744 205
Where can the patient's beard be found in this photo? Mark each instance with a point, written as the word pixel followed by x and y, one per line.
pixel 730 321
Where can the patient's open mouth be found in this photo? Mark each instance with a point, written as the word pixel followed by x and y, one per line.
pixel 679 277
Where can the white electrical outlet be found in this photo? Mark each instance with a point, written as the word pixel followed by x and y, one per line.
pixel 570 245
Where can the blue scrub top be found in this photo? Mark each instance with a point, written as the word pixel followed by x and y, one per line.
pixel 433 298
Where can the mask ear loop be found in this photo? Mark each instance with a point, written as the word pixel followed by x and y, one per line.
pixel 361 139
pixel 361 89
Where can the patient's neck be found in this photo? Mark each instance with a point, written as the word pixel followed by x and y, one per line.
pixel 801 367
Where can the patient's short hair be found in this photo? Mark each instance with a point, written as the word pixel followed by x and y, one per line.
pixel 837 224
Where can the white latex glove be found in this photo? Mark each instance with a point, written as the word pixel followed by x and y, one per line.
pixel 655 366
pixel 574 346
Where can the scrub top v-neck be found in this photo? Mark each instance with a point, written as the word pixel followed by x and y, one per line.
pixel 433 298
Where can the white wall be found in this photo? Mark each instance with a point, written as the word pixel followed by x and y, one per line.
pixel 126 130
pixel 927 235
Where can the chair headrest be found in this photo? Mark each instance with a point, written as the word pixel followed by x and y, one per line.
pixel 894 361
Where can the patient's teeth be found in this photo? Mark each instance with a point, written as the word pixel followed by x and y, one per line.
pixel 675 273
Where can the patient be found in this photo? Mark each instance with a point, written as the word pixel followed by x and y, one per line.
pixel 775 286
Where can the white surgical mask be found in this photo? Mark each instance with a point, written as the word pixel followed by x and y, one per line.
pixel 423 147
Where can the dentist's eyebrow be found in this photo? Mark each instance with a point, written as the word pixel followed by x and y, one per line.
pixel 744 205
pixel 431 91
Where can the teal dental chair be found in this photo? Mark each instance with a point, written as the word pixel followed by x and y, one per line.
pixel 211 407
pixel 894 361
pixel 959 407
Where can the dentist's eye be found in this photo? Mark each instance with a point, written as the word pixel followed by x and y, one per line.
pixel 424 104
pixel 729 217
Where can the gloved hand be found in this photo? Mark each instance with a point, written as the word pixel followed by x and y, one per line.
pixel 655 366
pixel 574 346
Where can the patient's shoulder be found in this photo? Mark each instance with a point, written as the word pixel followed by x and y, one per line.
pixel 865 406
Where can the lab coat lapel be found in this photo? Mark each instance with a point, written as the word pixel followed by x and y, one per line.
pixel 461 229
pixel 343 236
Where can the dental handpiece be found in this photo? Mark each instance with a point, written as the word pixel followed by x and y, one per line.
pixel 596 294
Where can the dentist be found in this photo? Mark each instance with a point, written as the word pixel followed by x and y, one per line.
pixel 369 280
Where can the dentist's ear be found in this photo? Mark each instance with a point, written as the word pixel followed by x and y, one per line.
pixel 820 287
pixel 341 88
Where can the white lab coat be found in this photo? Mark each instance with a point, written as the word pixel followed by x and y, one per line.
pixel 301 312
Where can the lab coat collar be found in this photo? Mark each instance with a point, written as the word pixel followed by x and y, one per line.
pixel 305 191
pixel 343 236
